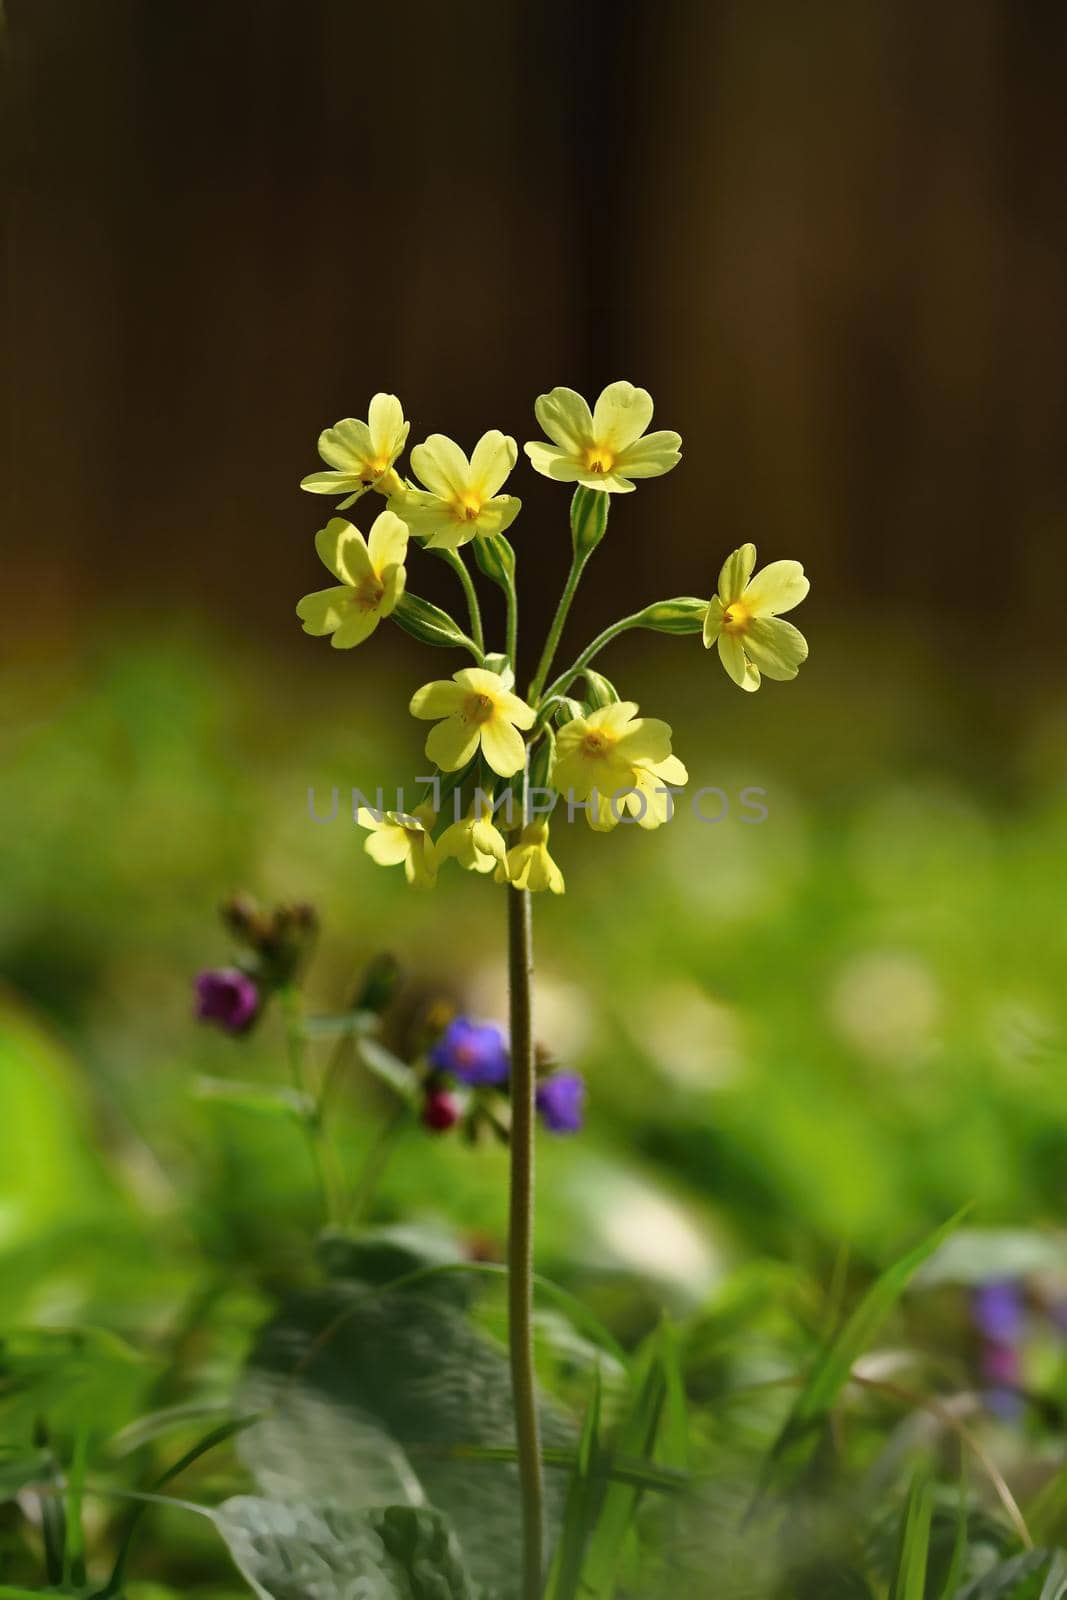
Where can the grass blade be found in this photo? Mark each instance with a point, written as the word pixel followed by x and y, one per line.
pixel 579 1512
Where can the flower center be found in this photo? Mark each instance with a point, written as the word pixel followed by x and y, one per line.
pixel 374 468
pixel 368 593
pixel 479 708
pixel 467 506
pixel 595 743
pixel 598 458
pixel 735 618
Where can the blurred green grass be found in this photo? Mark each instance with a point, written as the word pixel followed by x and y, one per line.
pixel 835 1027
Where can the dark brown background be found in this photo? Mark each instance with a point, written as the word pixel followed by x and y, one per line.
pixel 829 237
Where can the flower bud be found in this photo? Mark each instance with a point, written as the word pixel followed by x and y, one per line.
pixel 600 691
pixel 568 709
pixel 440 1111
pixel 498 662
pixel 228 997
pixel 589 519
pixel 427 623
pixel 496 558
pixel 379 985
pixel 542 760
pixel 683 615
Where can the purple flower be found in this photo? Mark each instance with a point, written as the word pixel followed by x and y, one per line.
pixel 997 1308
pixel 227 996
pixel 473 1052
pixel 559 1100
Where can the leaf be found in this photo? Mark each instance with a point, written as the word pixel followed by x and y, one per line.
pixel 832 1369
pixel 372 1397
pixel 389 1069
pixel 338 1026
pixel 325 1553
pixel 265 1099
pixel 636 1437
pixel 910 1580
pixel 579 1511
pixel 17 1469
pixel 1021 1578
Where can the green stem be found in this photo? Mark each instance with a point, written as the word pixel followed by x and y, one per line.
pixel 520 1239
pixel 512 627
pixel 551 643
pixel 376 1160
pixel 578 666
pixel 459 567
pixel 323 1157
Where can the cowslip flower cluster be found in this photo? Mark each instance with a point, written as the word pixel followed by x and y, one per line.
pixel 503 760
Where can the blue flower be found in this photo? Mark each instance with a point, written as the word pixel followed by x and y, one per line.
pixel 559 1101
pixel 473 1052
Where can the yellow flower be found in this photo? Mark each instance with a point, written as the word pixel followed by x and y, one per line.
pixel 461 498
pixel 604 449
pixel 477 709
pixel 474 841
pixel 610 752
pixel 743 618
pixel 372 579
pixel 529 865
pixel 398 837
pixel 361 454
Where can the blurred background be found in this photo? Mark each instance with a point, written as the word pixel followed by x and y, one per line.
pixel 830 240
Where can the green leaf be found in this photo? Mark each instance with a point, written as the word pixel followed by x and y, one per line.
pixel 265 1099
pixel 389 1069
pixel 636 1438
pixel 19 1468
pixel 373 1397
pixel 579 1511
pixel 831 1371
pixel 290 1552
pixel 339 1026
pixel 1021 1578
pixel 909 1582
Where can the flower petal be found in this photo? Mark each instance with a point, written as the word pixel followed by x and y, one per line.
pixel 732 656
pixel 606 482
pixel 452 743
pixel 324 611
pixel 776 647
pixel 442 698
pixel 613 719
pixel 550 460
pixel 735 573
pixel 502 746
pixel 779 587
pixel 440 464
pixel 346 446
pixel 424 514
pixel 388 541
pixel 388 846
pixel 334 483
pixel 646 740
pixel 494 456
pixel 487 840
pixel 621 415
pixel 650 457
pixel 394 580
pixel 342 548
pixel 712 621
pixel 359 624
pixel 386 426
pixel 516 710
pixel 566 419
pixel 497 515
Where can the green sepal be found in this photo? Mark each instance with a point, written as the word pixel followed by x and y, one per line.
pixel 496 558
pixel 600 691
pixel 589 519
pixel 683 615
pixel 428 623
pixel 568 709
